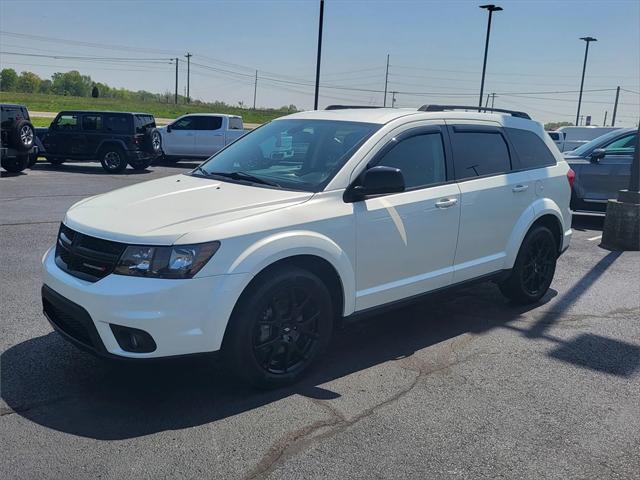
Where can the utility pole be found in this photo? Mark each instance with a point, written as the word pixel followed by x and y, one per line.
pixel 255 90
pixel 491 9
pixel 176 94
pixel 604 124
pixel 386 82
pixel 615 108
pixel 584 68
pixel 320 20
pixel 486 104
pixel 393 99
pixel 188 55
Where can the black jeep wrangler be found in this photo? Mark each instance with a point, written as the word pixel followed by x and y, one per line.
pixel 114 138
pixel 17 138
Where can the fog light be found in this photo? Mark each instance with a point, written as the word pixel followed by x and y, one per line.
pixel 133 339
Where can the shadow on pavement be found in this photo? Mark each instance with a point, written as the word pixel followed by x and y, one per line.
pixel 51 383
pixel 583 223
pixel 93 168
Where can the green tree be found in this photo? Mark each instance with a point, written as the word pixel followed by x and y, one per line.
pixel 95 92
pixel 71 83
pixel 45 86
pixel 8 80
pixel 28 82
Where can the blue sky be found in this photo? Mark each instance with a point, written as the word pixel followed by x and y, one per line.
pixel 435 47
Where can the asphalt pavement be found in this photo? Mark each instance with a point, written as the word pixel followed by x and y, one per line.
pixel 461 386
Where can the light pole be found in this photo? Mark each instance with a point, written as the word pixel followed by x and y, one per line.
pixel 491 9
pixel 320 20
pixel 584 68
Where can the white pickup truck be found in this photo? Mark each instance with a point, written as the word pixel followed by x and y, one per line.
pixel 199 135
pixel 570 138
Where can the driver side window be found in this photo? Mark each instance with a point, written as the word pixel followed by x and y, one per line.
pixel 420 158
pixel 187 123
pixel 623 146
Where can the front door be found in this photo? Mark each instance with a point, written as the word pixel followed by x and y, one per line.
pixel 63 136
pixel 602 179
pixel 406 241
pixel 181 139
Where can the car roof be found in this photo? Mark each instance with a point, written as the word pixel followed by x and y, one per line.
pixel 106 111
pixel 386 115
pixel 12 105
pixel 211 115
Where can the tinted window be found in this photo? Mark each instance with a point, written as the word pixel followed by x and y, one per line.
pixel 235 123
pixel 117 123
pixel 295 154
pixel 479 153
pixel 421 159
pixel 531 150
pixel 67 122
pixel 209 123
pixel 186 123
pixel 623 146
pixel 92 122
pixel 144 123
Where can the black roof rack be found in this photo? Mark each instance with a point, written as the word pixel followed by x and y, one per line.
pixel 442 108
pixel 346 107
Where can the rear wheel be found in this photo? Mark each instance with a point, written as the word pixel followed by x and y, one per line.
pixel 113 159
pixel 534 268
pixel 15 164
pixel 279 327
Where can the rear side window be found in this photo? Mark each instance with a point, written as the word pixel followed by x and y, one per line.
pixel 209 123
pixel 144 123
pixel 235 123
pixel 531 150
pixel 480 153
pixel 421 159
pixel 117 123
pixel 92 123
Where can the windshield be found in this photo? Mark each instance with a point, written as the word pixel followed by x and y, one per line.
pixel 595 143
pixel 293 154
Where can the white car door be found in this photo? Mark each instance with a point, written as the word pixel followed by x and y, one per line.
pixel 406 241
pixel 493 198
pixel 209 135
pixel 180 137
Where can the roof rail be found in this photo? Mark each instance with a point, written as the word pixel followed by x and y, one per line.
pixel 442 108
pixel 345 107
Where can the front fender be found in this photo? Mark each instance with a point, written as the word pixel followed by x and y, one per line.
pixel 541 207
pixel 283 245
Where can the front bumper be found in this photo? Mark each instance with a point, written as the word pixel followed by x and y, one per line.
pixel 182 316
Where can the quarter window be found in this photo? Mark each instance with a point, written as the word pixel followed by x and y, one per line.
pixel 532 151
pixel 476 154
pixel 235 123
pixel 420 158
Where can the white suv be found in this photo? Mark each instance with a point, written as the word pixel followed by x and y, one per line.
pixel 257 255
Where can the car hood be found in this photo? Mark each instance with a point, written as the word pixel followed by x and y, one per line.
pixel 160 211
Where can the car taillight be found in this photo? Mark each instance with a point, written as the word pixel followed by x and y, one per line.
pixel 571 176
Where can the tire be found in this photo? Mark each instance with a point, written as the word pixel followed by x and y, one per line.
pixel 113 159
pixel 23 136
pixel 15 164
pixel 140 164
pixel 534 267
pixel 263 345
pixel 154 142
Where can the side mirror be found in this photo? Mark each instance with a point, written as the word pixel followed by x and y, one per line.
pixel 598 154
pixel 168 128
pixel 376 181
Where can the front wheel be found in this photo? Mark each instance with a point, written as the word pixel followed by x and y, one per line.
pixel 534 267
pixel 113 159
pixel 279 327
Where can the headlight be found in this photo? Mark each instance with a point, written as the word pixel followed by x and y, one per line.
pixel 179 261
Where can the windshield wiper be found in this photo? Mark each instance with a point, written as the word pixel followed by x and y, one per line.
pixel 246 176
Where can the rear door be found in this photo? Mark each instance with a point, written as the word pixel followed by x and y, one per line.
pixel 209 135
pixel 181 139
pixel 602 179
pixel 493 197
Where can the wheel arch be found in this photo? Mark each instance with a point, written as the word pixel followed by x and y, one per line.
pixel 109 142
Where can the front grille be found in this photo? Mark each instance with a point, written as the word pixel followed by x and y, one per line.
pixel 86 257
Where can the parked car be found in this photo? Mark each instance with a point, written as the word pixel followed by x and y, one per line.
pixel 257 256
pixel 602 168
pixel 570 138
pixel 198 136
pixel 17 137
pixel 114 138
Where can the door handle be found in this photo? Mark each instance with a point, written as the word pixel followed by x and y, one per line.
pixel 519 188
pixel 446 202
